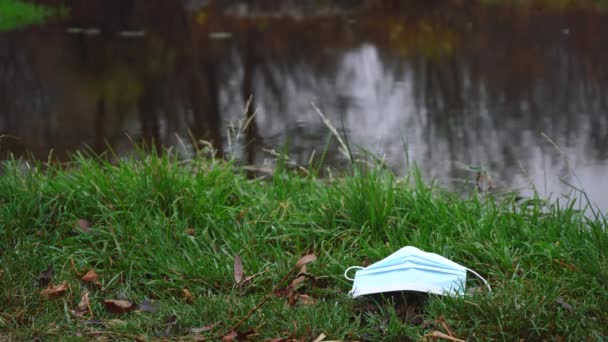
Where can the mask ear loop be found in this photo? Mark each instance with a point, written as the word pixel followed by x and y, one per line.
pixel 351 268
pixel 480 277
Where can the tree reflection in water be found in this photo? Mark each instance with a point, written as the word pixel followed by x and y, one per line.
pixel 458 82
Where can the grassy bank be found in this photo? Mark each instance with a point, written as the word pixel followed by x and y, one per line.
pixel 164 235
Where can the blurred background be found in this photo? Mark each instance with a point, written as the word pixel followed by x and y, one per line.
pixel 510 94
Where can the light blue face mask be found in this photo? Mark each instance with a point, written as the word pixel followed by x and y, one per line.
pixel 410 269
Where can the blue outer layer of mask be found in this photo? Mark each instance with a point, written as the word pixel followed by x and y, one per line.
pixel 410 269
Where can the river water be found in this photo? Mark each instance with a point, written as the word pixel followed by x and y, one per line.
pixel 452 86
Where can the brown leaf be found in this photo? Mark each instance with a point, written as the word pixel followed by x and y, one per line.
pixel 305 299
pixel 284 291
pixel 188 296
pixel 91 277
pixel 238 269
pixel 230 337
pixel 84 306
pixel 307 259
pixel 118 306
pixel 292 299
pixel 189 231
pixel 55 290
pixel 45 277
pixel 84 225
pixel 297 281
pixel 85 302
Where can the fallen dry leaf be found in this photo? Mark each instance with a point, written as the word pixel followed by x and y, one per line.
pixel 295 298
pixel 84 225
pixel 297 281
pixel 238 269
pixel 230 336
pixel 91 277
pixel 188 296
pixel 305 299
pixel 307 259
pixel 55 290
pixel 45 277
pixel 85 303
pixel 118 306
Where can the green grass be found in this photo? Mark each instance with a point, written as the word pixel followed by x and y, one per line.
pixel 547 265
pixel 15 14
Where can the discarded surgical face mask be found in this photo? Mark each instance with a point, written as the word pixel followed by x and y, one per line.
pixel 410 269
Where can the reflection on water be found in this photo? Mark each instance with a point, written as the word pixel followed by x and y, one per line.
pixel 520 91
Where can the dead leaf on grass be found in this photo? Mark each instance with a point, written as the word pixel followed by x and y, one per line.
pixel 231 336
pixel 238 269
pixel 295 298
pixel 188 296
pixel 91 277
pixel 297 281
pixel 84 225
pixel 118 306
pixel 307 259
pixel 46 276
pixel 305 299
pixel 55 290
pixel 84 305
